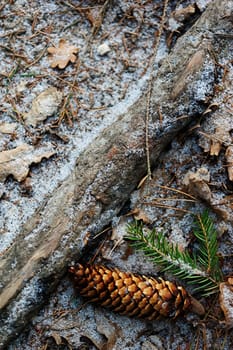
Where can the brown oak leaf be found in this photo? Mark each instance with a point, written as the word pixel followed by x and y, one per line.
pixel 17 161
pixel 63 54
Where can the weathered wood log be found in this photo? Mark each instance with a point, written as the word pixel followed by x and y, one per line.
pixel 106 173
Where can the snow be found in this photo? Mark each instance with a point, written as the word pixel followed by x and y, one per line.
pixel 106 79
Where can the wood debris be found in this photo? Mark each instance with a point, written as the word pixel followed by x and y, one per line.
pixel 95 18
pixel 63 54
pixel 193 65
pixel 229 158
pixel 16 161
pixel 226 301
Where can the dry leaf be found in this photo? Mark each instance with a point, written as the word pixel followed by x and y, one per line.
pixel 16 161
pixel 179 15
pixel 7 128
pixel 139 214
pixel 182 13
pixel 197 183
pixel 213 142
pixel 221 136
pixel 226 301
pixel 63 54
pixel 43 106
pixel 229 158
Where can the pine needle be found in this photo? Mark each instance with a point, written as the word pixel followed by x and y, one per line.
pixel 200 269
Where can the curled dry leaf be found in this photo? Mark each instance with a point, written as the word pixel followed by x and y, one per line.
pixel 43 106
pixel 179 15
pixel 226 301
pixel 220 137
pixel 182 13
pixel 16 161
pixel 63 54
pixel 197 183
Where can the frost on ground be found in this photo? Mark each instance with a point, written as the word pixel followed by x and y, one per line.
pixel 92 87
pixel 112 43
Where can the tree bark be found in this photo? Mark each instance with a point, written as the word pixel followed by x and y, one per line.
pixel 107 172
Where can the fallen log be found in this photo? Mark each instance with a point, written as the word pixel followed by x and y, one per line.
pixel 107 172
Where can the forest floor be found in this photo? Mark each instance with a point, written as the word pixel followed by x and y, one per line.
pixel 67 68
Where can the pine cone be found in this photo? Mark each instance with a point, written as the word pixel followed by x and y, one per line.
pixel 131 294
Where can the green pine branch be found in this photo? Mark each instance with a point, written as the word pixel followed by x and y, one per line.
pixel 200 269
pixel 206 236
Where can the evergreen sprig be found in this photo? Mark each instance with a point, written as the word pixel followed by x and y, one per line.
pixel 200 269
pixel 206 235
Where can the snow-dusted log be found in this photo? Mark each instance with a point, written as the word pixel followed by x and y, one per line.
pixel 108 170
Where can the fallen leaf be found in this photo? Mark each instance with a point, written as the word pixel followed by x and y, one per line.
pixel 43 106
pixel 197 183
pixel 226 301
pixel 7 128
pixel 16 161
pixel 221 136
pixel 139 214
pixel 179 15
pixel 183 13
pixel 63 54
